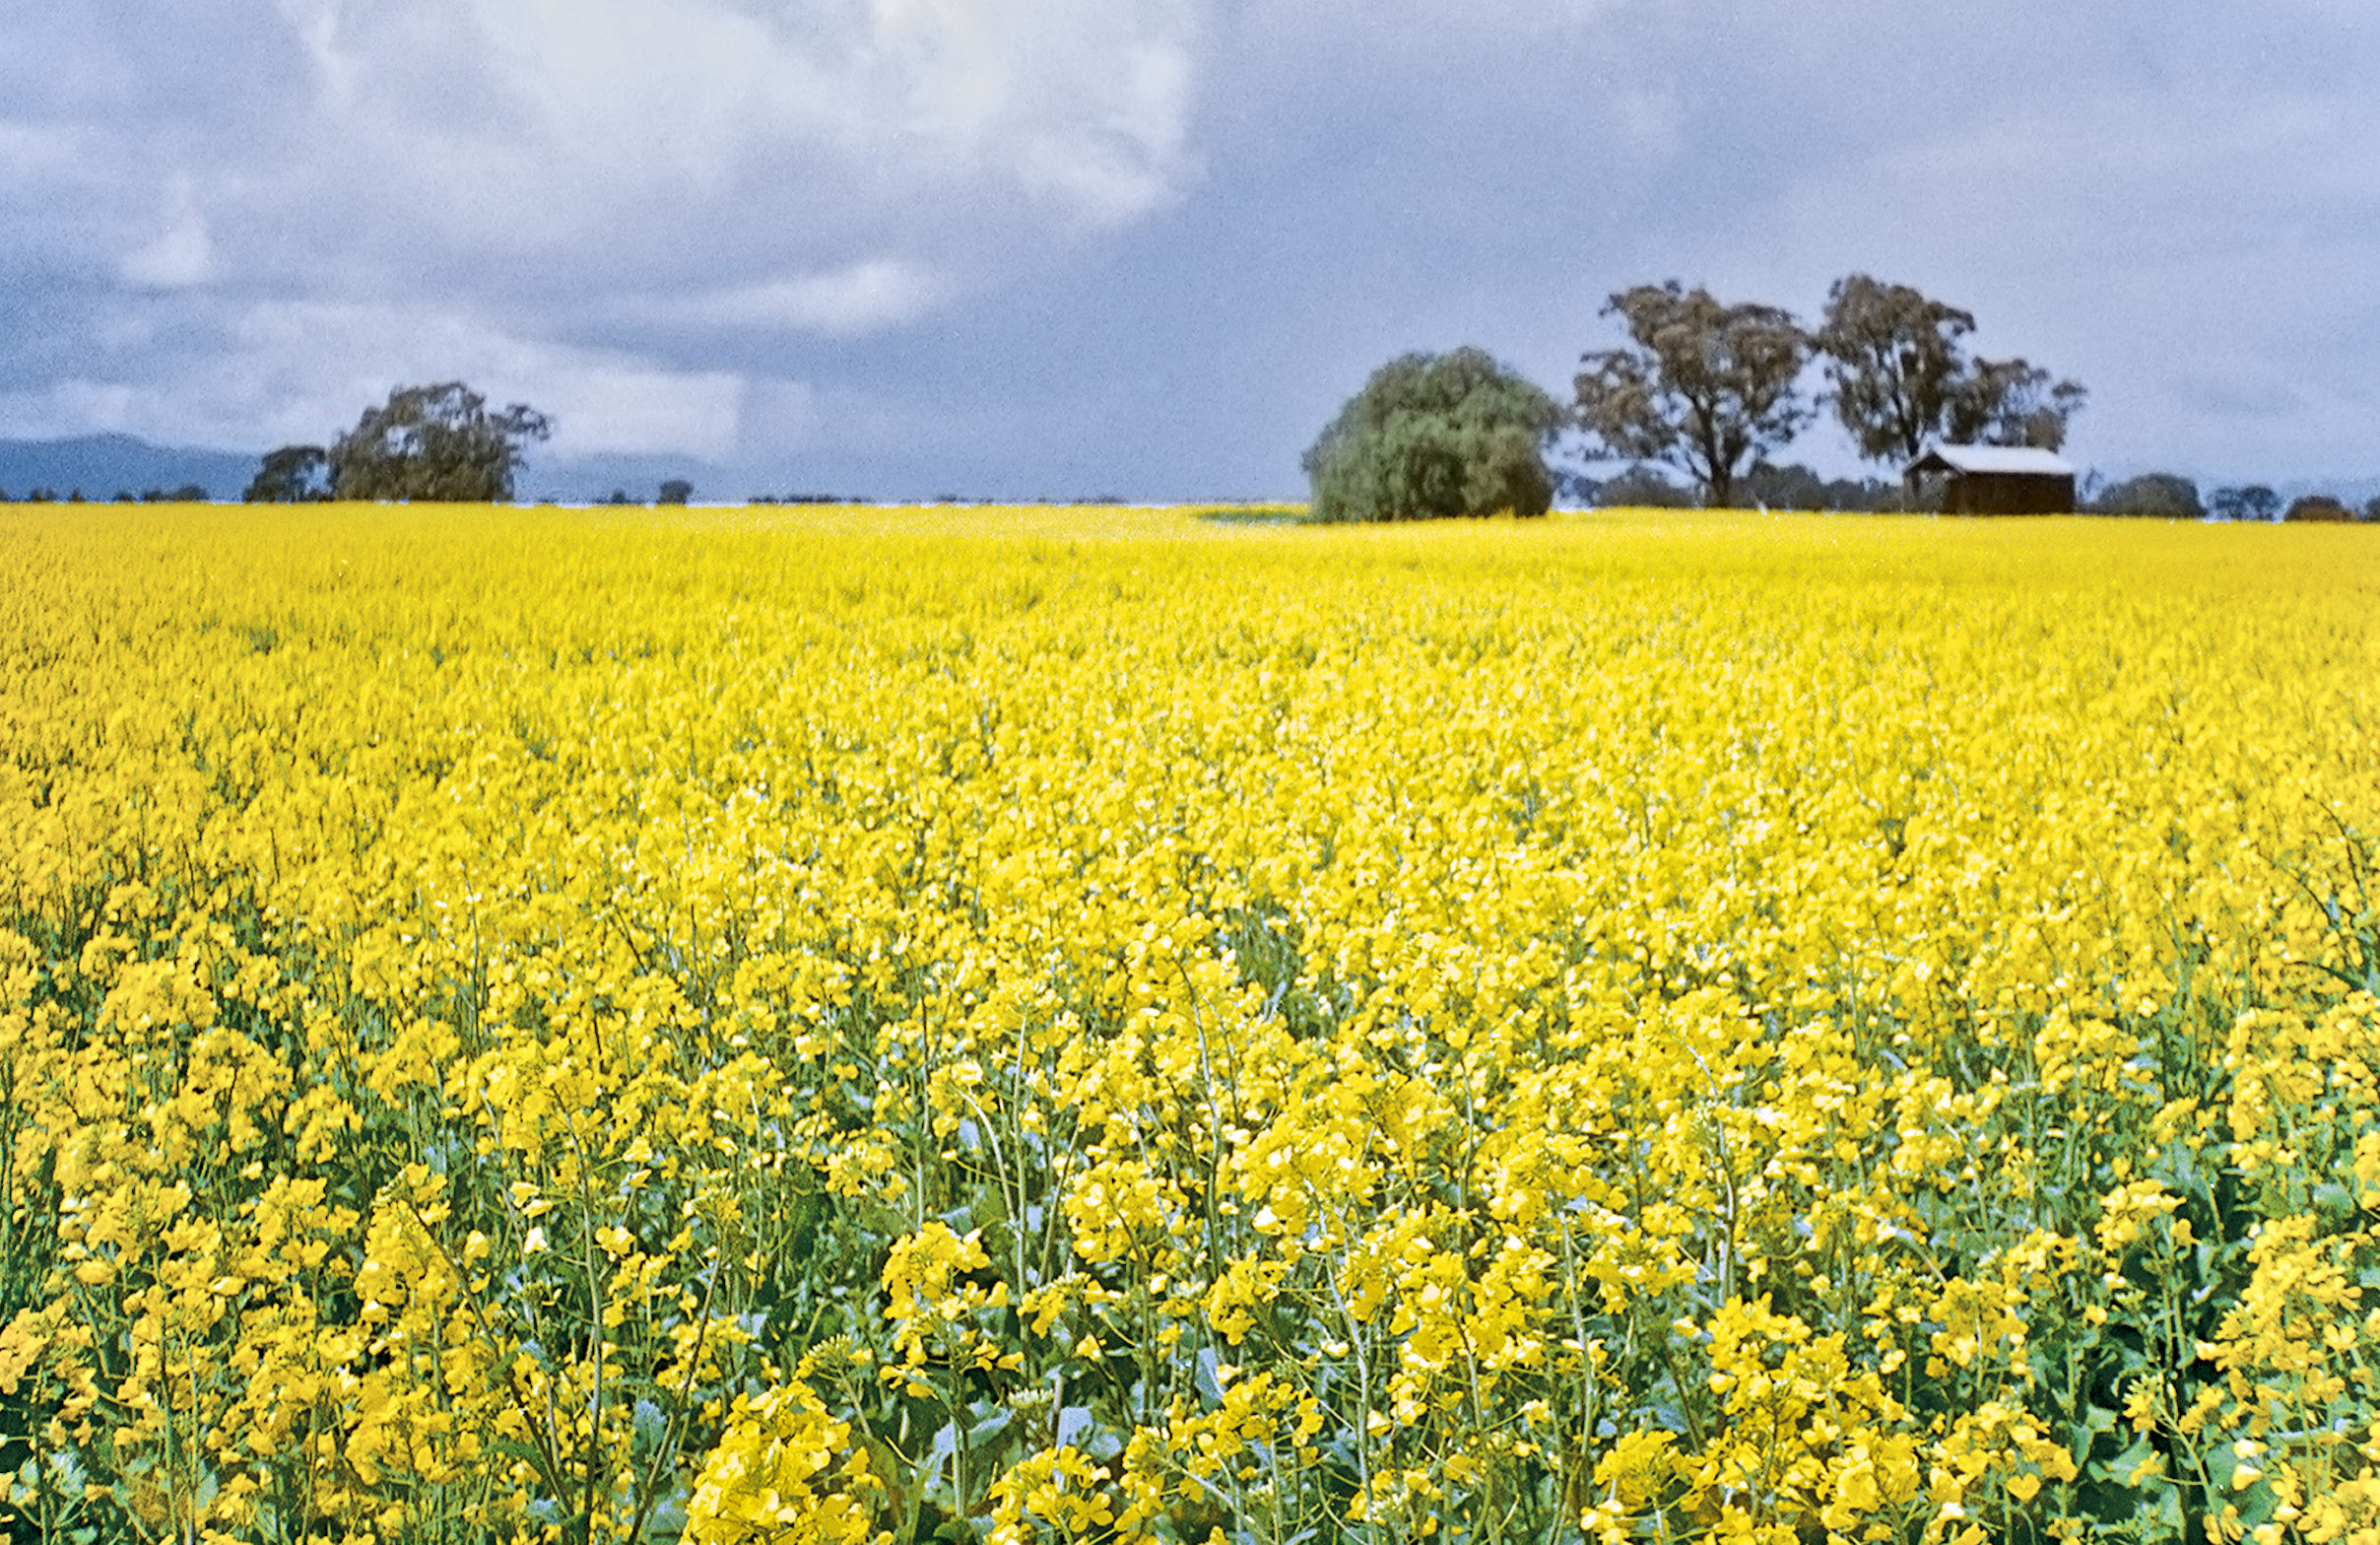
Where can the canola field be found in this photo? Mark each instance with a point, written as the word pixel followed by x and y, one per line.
pixel 1035 1026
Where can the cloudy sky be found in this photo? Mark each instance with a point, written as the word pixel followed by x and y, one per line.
pixel 1146 247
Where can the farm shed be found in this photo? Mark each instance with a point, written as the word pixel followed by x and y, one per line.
pixel 1994 480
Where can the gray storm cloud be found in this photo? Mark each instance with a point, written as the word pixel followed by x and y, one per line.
pixel 455 186
pixel 1150 246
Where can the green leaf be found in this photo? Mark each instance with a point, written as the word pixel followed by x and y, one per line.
pixel 2120 1469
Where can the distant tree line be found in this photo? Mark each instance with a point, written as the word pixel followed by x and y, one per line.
pixel 1711 392
pixel 2170 496
pixel 187 494
pixel 673 491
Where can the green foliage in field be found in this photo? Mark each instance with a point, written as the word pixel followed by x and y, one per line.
pixel 1077 1026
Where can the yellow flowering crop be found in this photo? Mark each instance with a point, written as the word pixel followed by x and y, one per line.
pixel 1038 1025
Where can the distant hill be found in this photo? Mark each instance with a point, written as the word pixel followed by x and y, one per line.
pixel 104 465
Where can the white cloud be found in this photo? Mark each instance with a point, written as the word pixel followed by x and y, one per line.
pixel 861 297
pixel 70 407
pixel 315 25
pixel 297 371
pixel 476 188
pixel 337 357
pixel 180 255
pixel 514 125
pixel 31 154
pixel 1650 118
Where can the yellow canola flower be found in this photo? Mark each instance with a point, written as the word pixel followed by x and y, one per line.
pixel 783 1471
pixel 1122 1025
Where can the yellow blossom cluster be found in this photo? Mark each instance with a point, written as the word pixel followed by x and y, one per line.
pixel 1044 1025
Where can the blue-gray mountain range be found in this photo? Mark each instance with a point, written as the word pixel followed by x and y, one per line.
pixel 102 466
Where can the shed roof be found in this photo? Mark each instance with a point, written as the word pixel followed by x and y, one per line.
pixel 1992 458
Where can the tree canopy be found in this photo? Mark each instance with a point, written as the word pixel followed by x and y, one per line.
pixel 1436 436
pixel 1901 378
pixel 294 474
pixel 1705 388
pixel 2010 402
pixel 434 443
pixel 2167 496
pixel 2317 507
pixel 2253 501
pixel 1893 358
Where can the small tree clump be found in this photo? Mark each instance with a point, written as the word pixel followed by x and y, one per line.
pixel 291 475
pixel 2159 496
pixel 1431 436
pixel 2253 501
pixel 1642 487
pixel 2318 506
pixel 1793 486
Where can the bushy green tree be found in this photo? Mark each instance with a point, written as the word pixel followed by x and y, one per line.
pixel 1431 436
pixel 434 443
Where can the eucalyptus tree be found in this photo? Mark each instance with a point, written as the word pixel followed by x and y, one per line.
pixel 1901 378
pixel 1894 362
pixel 2012 402
pixel 291 475
pixel 1703 387
pixel 434 443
